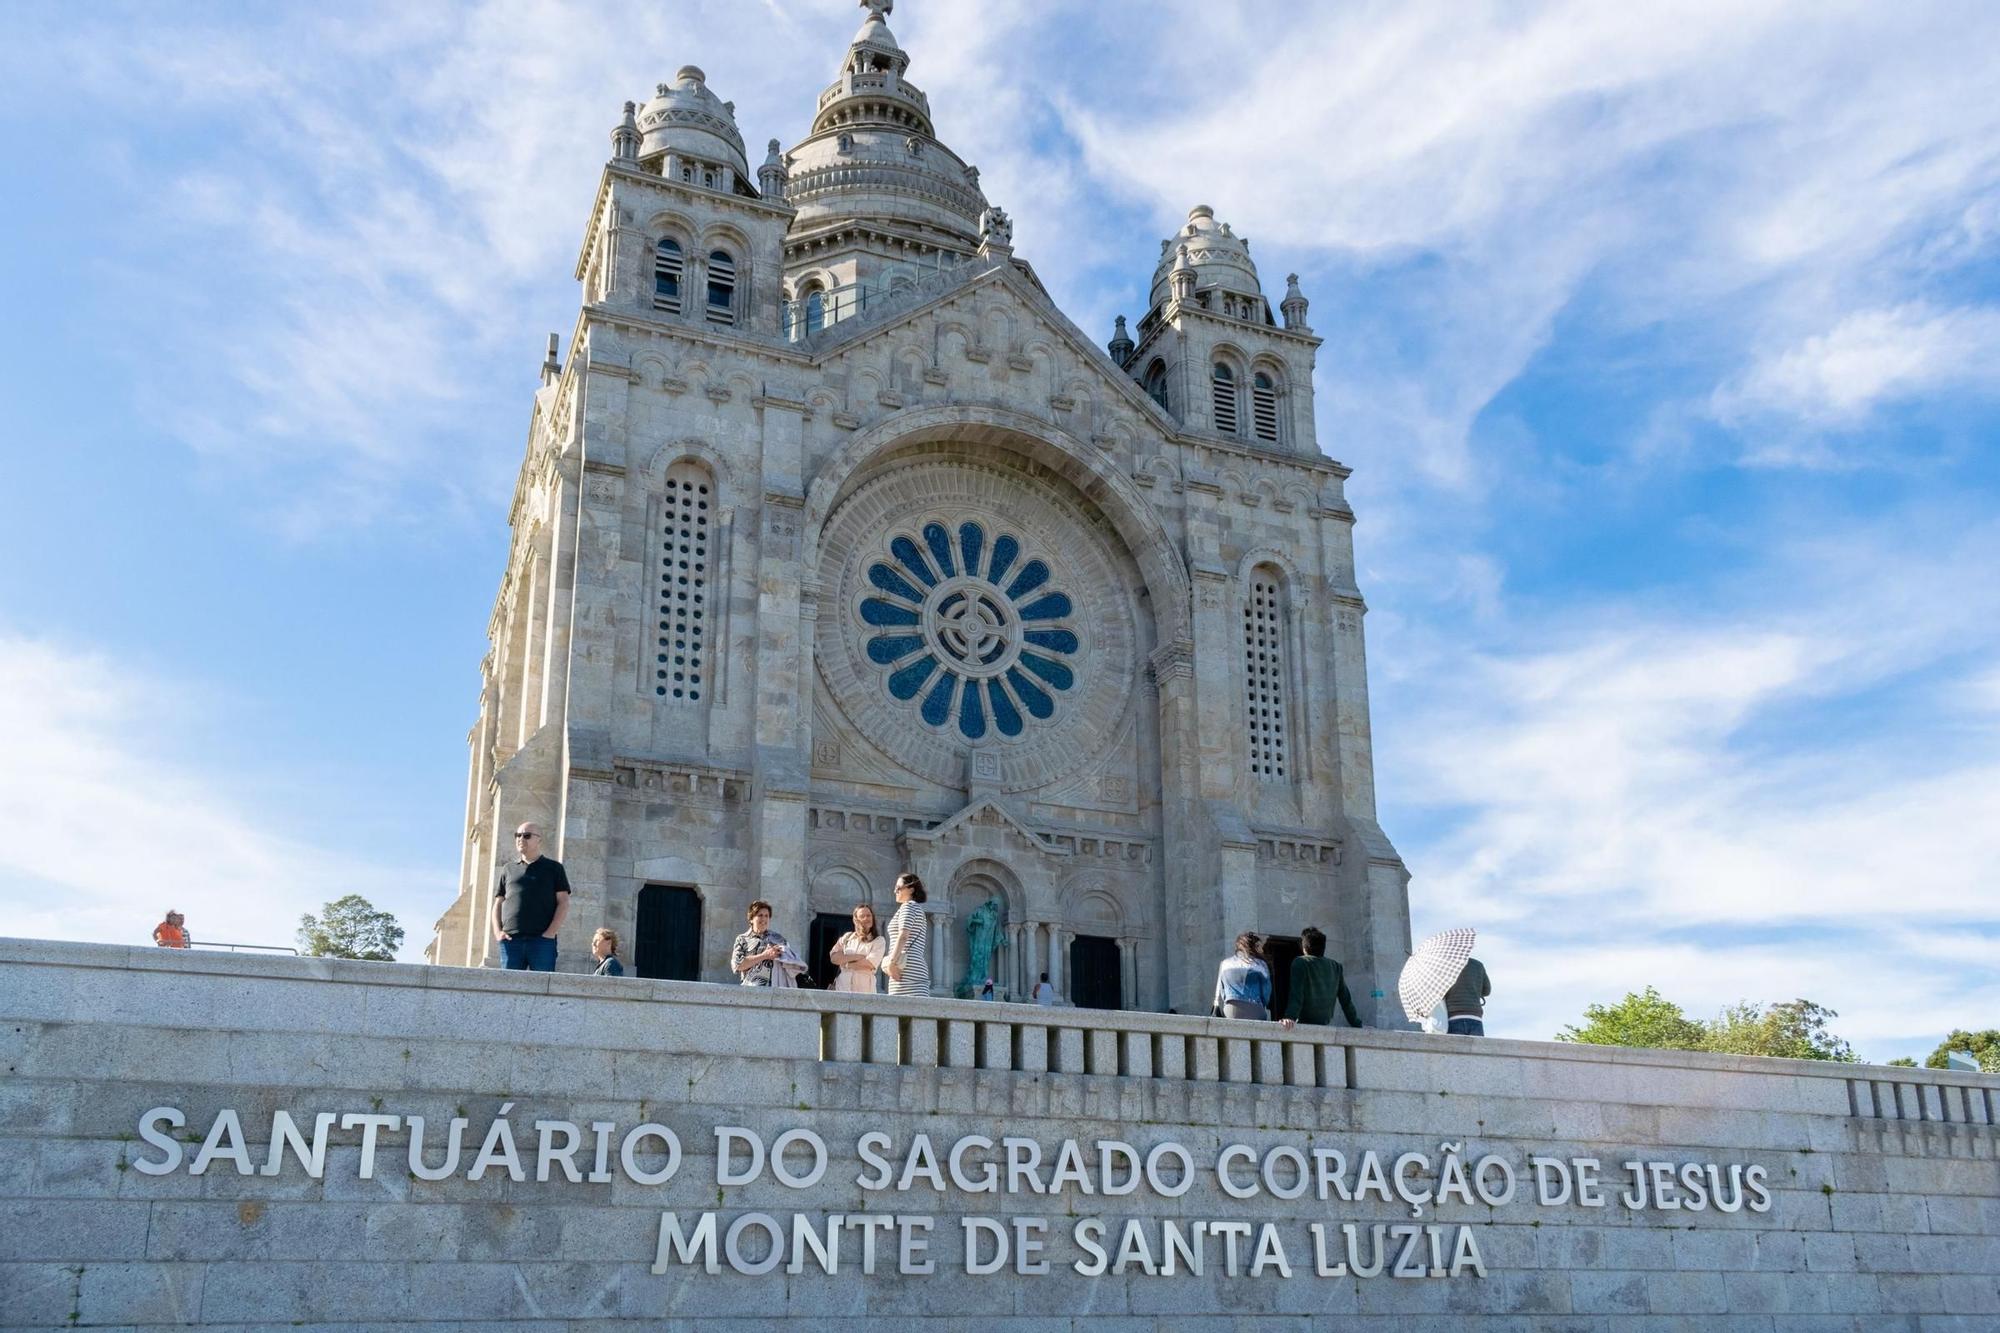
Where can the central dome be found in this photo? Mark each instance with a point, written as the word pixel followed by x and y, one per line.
pixel 873 156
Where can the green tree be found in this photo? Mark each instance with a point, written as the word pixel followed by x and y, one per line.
pixel 1902 1062
pixel 1984 1046
pixel 1646 1019
pixel 1795 1030
pixel 350 927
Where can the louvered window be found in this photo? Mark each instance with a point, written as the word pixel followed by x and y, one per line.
pixel 1225 399
pixel 686 520
pixel 1264 407
pixel 721 288
pixel 668 267
pixel 1264 675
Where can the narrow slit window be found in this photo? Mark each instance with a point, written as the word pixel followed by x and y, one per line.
pixel 721 288
pixel 669 266
pixel 1264 407
pixel 1225 399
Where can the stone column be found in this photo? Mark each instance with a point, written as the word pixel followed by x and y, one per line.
pixel 564 505
pixel 783 685
pixel 945 949
pixel 1055 968
pixel 534 631
pixel 1128 965
pixel 1187 835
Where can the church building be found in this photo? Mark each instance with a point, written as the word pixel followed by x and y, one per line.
pixel 838 550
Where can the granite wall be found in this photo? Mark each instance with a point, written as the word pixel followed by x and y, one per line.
pixel 1830 1197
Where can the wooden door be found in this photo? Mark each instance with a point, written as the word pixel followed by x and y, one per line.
pixel 666 940
pixel 1095 973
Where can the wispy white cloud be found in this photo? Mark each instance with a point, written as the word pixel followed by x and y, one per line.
pixel 1639 794
pixel 112 817
pixel 1869 358
pixel 1749 174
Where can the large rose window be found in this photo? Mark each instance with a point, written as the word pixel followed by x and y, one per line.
pixel 965 606
pixel 973 631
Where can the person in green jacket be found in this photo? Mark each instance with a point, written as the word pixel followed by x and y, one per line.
pixel 1317 982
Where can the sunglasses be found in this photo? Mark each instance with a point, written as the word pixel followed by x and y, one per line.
pixel 527 835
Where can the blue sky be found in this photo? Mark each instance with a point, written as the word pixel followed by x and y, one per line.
pixel 1664 343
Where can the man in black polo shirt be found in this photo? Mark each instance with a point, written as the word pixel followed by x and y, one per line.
pixel 529 904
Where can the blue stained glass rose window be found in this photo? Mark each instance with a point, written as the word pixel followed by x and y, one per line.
pixel 970 629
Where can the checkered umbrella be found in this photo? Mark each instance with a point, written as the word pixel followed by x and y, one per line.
pixel 1431 970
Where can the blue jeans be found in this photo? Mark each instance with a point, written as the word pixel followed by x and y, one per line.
pixel 528 953
pixel 1466 1027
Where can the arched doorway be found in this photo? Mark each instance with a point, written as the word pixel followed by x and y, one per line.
pixel 974 885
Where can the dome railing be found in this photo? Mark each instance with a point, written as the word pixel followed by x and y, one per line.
pixel 875 83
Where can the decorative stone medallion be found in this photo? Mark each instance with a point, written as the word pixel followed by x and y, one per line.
pixel 976 607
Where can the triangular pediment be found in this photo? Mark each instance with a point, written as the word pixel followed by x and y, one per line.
pixel 1023 292
pixel 986 812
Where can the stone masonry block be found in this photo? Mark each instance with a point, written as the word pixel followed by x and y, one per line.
pixel 1687 1293
pixel 960 1046
pixel 1033 1039
pixel 924 1049
pixel 1236 1065
pixel 1138 1054
pixel 77 1231
pixel 1103 1051
pixel 1172 1052
pixel 1069 1050
pixel 883 1037
pixel 849 1037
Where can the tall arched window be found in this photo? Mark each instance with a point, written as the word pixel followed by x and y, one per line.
pixel 687 521
pixel 721 288
pixel 1264 407
pixel 1224 380
pixel 668 267
pixel 1155 383
pixel 1264 673
pixel 815 310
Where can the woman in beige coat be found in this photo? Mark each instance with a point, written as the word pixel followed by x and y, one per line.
pixel 858 953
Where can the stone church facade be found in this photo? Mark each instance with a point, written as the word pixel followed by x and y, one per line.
pixel 839 550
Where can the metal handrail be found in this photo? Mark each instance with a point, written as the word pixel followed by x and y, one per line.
pixel 253 948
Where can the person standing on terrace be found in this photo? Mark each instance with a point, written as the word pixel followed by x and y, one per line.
pixel 530 900
pixel 1243 982
pixel 908 964
pixel 1317 983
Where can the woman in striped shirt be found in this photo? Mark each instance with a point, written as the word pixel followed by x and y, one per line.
pixel 908 962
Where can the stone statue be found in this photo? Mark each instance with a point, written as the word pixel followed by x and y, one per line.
pixel 995 227
pixel 982 935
